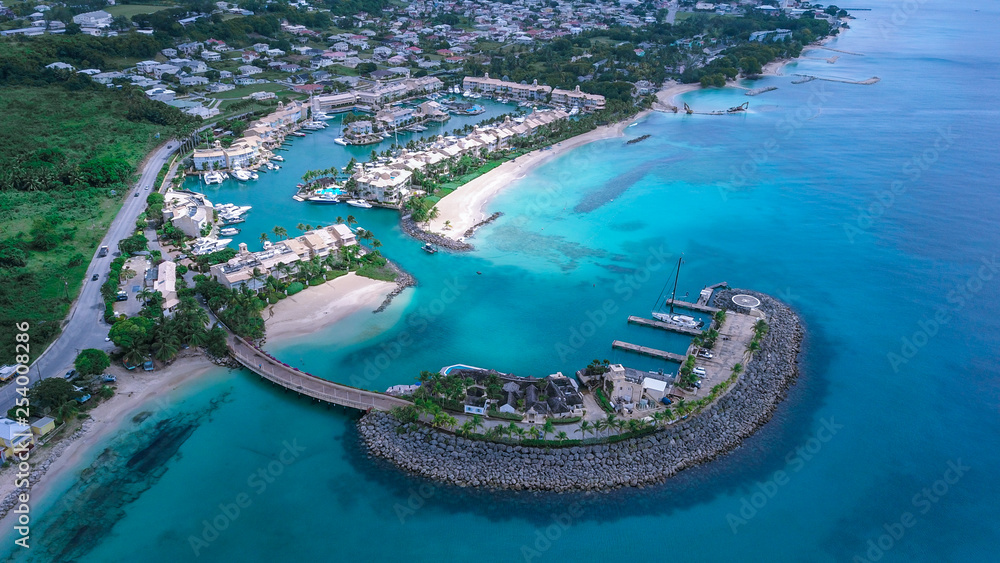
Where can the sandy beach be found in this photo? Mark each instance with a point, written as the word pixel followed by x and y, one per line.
pixel 465 206
pixel 133 389
pixel 316 307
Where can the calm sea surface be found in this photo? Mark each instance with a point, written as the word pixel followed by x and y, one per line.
pixel 870 209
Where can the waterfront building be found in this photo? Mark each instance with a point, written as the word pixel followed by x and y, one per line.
pixel 360 127
pixel 514 90
pixel 278 259
pixel 14 437
pixel 189 212
pixel 628 387
pixel 384 185
pixel 575 97
pixel 43 426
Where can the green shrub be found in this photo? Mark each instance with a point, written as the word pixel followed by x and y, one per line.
pixel 295 287
pixel 493 413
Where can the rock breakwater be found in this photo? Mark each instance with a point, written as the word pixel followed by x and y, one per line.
pixel 719 428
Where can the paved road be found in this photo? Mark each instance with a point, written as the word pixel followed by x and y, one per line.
pixel 85 326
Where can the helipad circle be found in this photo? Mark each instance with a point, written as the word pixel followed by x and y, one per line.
pixel 748 301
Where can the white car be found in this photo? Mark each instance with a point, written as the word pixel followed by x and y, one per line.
pixel 699 371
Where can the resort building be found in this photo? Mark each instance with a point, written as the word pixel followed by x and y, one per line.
pixel 513 90
pixel 243 153
pixel 773 35
pixel 577 98
pixel 395 117
pixel 384 185
pixel 278 259
pixel 189 212
pixel 14 438
pixel 360 127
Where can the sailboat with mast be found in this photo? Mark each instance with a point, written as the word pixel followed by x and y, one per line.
pixel 670 317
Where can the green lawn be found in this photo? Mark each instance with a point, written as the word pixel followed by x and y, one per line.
pixel 129 10
pixel 244 91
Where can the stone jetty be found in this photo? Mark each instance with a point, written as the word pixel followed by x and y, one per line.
pixel 719 428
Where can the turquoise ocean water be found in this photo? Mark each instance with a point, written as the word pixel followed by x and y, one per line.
pixel 870 209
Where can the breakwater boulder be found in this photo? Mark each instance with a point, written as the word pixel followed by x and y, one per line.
pixel 411 228
pixel 720 427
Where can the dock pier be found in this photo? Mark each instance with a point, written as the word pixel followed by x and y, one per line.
pixel 699 307
pixel 646 351
pixel 663 326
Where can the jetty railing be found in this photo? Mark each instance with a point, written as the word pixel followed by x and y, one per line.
pixel 293 379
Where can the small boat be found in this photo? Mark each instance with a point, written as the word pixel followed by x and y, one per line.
pixel 241 175
pixel 297 134
pixel 429 248
pixel 278 158
pixel 359 203
pixel 213 178
pixel 341 141
pixel 208 246
pixel 229 231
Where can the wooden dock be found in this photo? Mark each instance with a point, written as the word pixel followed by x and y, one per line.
pixel 693 306
pixel 662 325
pixel 646 351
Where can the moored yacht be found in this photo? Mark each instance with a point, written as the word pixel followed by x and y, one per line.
pixel 359 203
pixel 213 178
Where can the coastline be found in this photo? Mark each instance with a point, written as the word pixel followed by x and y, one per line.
pixel 634 462
pixel 465 207
pixel 320 306
pixel 133 389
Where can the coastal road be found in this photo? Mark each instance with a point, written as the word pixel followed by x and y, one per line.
pixel 85 327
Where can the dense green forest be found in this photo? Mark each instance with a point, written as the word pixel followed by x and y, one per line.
pixel 68 151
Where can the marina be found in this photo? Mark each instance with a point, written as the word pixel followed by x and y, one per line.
pixel 672 327
pixel 647 351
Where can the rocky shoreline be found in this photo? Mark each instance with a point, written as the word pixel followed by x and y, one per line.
pixel 411 228
pixel 721 427
pixel 42 468
pixel 403 280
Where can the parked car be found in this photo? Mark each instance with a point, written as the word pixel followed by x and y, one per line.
pixel 70 374
pixel 95 277
pixel 705 354
pixel 699 371
pixel 108 378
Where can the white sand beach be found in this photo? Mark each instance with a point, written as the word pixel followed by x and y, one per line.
pixel 316 307
pixel 465 206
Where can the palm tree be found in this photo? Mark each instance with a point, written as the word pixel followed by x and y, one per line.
pixel 599 426
pixel 301 227
pixel 263 238
pixel 340 219
pixel 548 427
pixel 611 422
pixel 144 294
pixel 585 427
pixel 477 421
pixel 534 432
pixel 280 232
pixel 351 220
pixel 561 436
